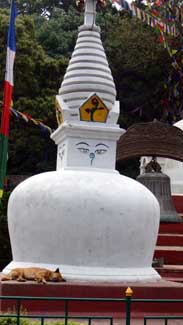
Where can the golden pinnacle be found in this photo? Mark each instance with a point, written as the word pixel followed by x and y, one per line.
pixel 128 292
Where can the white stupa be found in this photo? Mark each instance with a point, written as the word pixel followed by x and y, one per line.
pixel 86 218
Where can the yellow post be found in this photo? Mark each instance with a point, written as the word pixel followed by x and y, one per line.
pixel 128 294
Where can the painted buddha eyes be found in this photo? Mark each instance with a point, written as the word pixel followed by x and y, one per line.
pixel 83 150
pixel 99 149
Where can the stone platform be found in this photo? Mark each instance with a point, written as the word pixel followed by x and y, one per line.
pixel 169 249
pixel 155 290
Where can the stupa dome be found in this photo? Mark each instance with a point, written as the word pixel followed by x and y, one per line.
pixel 96 226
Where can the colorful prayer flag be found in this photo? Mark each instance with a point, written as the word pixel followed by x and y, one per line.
pixel 8 88
pixel 116 4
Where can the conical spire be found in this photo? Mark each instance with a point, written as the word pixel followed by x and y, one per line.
pixel 88 71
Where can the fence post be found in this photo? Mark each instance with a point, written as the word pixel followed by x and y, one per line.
pixel 18 310
pixel 66 312
pixel 128 294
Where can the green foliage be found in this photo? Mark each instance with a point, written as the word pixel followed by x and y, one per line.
pixel 169 14
pixel 5 248
pixel 39 7
pixel 13 321
pixel 58 34
pixel 139 65
pixel 3 204
pixel 38 78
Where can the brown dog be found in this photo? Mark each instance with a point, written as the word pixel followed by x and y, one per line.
pixel 40 275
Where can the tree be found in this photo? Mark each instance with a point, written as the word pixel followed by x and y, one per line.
pixel 169 16
pixel 5 247
pixel 58 34
pixel 37 79
pixel 39 7
pixel 139 65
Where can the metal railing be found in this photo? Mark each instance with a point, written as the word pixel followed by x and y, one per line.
pixel 128 301
pixel 165 318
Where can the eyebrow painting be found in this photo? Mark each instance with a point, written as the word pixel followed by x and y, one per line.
pixel 102 144
pixel 92 151
pixel 77 144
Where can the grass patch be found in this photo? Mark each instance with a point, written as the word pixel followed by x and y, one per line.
pixel 13 321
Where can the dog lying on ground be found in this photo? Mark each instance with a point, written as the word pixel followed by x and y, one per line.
pixel 40 275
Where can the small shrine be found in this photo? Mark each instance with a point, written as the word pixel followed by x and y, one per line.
pixel 174 169
pixel 85 218
pixel 150 141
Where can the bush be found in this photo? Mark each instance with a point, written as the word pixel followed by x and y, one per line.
pixel 5 247
pixel 13 321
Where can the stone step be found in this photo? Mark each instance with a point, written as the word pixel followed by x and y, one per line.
pixel 172 279
pixel 141 290
pixel 171 272
pixel 170 240
pixel 171 228
pixel 170 254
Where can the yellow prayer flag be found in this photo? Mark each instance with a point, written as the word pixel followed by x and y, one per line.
pixel 34 121
pixel 1 194
pixel 174 52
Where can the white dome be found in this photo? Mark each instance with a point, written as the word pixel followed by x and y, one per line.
pixel 94 225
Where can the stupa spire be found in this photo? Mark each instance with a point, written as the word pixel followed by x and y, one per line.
pixel 88 92
pixel 90 12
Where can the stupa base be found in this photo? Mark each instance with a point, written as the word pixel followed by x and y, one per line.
pixel 94 274
pixel 141 290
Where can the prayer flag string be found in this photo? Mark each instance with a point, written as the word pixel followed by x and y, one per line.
pixel 26 117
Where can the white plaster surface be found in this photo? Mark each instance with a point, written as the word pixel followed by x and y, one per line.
pixel 86 145
pixel 96 274
pixel 94 225
pixel 88 71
